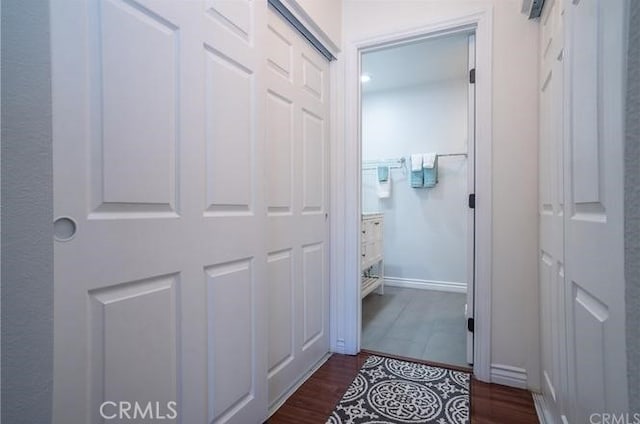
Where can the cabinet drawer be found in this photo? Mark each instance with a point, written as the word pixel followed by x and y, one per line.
pixel 376 230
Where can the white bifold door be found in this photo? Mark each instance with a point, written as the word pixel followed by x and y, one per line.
pixel 551 208
pixel 190 232
pixel 594 197
pixel 581 208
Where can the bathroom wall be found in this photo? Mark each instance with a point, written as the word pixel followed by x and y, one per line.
pixel 425 237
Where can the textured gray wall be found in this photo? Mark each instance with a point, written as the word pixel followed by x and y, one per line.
pixel 27 210
pixel 632 208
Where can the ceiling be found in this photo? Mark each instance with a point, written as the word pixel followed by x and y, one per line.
pixel 420 62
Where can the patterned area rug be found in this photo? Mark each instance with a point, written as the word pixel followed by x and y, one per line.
pixel 390 391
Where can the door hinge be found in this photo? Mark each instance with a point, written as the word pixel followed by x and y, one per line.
pixel 470 324
pixel 472 76
pixel 472 200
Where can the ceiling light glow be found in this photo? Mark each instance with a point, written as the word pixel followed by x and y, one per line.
pixel 364 78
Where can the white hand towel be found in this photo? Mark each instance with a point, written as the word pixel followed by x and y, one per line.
pixel 416 162
pixel 428 160
pixel 384 188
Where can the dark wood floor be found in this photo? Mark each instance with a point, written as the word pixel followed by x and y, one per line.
pixel 315 399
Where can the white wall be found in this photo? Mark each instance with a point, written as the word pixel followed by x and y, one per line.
pixel 425 230
pixel 27 214
pixel 325 17
pixel 515 328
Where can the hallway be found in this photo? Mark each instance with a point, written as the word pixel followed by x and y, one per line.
pixel 315 399
pixel 181 207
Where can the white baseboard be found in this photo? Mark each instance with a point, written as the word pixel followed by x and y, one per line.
pixel 413 283
pixel 278 403
pixel 509 376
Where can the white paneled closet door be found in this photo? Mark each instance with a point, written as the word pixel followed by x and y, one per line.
pixel 593 181
pixel 297 121
pixel 581 201
pixel 160 260
pixel 551 207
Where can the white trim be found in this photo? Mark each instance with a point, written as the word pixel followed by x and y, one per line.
pixel 345 189
pixel 483 168
pixel 337 167
pixel 509 376
pixel 542 409
pixel 278 403
pixel 414 283
pixel 471 188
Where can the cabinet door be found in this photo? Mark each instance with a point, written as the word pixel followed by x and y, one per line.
pixel 365 255
pixel 377 230
pixel 366 231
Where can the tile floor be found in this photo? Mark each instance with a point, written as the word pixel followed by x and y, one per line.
pixel 421 324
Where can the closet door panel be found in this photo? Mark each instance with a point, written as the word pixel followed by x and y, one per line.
pixel 594 249
pixel 281 309
pixel 158 127
pixel 279 152
pixel 551 208
pixel 297 131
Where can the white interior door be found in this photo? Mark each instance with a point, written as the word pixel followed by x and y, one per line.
pixel 471 184
pixel 297 89
pixel 594 250
pixel 158 167
pixel 551 208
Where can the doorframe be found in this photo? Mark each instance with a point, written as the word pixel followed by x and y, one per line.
pixel 346 302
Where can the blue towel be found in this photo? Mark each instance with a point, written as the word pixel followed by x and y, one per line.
pixel 430 175
pixel 383 173
pixel 418 175
pixel 416 179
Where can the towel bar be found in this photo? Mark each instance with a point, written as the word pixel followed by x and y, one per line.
pixel 391 163
pixel 452 154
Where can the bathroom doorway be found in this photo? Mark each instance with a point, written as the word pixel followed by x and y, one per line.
pixel 417 183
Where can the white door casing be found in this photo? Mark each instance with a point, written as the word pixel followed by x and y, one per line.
pixel 471 187
pixel 297 124
pixel 346 308
pixel 158 138
pixel 593 211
